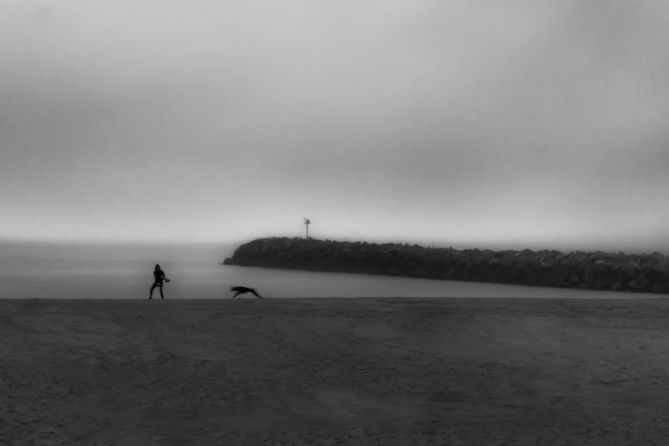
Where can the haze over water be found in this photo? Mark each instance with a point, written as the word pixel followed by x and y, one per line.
pixel 484 123
pixel 98 271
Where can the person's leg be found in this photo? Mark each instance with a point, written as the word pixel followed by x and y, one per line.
pixel 160 287
pixel 151 291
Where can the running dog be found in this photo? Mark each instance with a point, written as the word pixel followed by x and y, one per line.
pixel 242 289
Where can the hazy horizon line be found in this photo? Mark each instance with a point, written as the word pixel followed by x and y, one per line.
pixel 594 246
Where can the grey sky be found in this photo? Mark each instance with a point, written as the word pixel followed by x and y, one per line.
pixel 460 122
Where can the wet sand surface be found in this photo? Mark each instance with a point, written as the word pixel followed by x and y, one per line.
pixel 335 372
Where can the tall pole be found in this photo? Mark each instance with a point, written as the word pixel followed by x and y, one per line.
pixel 306 223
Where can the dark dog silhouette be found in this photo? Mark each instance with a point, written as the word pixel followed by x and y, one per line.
pixel 242 289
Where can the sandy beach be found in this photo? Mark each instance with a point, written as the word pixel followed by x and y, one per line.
pixel 335 372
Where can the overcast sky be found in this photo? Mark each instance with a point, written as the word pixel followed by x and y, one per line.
pixel 449 122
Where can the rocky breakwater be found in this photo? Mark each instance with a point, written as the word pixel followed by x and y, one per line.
pixel 588 270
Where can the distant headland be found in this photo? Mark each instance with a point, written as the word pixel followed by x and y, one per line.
pixel 648 273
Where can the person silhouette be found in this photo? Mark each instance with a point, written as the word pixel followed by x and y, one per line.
pixel 158 279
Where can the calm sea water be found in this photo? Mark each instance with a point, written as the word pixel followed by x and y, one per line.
pixel 38 270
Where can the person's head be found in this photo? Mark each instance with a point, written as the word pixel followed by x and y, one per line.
pixel 157 268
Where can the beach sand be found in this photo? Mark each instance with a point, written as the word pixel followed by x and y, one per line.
pixel 335 372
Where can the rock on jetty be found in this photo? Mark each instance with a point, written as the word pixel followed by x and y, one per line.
pixel 588 270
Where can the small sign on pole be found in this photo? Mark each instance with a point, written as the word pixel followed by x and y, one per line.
pixel 307 222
